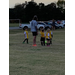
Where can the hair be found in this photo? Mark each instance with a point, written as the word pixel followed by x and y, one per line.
pixel 25 28
pixel 35 18
pixel 48 29
pixel 42 30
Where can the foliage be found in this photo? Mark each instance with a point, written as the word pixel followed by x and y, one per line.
pixel 44 12
pixel 61 3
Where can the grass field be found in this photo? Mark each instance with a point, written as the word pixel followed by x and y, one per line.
pixel 24 59
pixel 15 24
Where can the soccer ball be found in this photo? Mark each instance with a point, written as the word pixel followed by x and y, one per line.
pixel 45 41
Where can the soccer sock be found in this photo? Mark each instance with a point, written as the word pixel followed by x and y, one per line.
pixel 24 40
pixel 51 41
pixel 27 41
pixel 44 43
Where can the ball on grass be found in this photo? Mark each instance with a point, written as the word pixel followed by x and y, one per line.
pixel 45 41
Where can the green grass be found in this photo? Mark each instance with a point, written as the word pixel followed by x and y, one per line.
pixel 15 24
pixel 24 59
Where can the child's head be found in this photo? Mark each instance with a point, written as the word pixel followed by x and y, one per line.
pixel 42 30
pixel 35 17
pixel 48 30
pixel 26 28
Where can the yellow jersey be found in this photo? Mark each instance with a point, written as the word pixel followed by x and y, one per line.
pixel 47 35
pixel 42 34
pixel 26 34
pixel 50 35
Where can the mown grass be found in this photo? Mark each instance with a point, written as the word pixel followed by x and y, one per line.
pixel 15 24
pixel 24 59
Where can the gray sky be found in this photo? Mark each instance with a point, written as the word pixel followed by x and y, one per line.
pixel 13 2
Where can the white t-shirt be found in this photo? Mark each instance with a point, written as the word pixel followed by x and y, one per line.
pixel 33 24
pixel 48 36
pixel 25 34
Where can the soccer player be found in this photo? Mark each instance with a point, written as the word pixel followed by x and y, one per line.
pixel 26 35
pixel 51 36
pixel 48 37
pixel 42 37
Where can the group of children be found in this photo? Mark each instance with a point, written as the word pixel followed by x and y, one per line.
pixel 46 37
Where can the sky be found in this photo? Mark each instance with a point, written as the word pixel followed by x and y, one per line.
pixel 13 2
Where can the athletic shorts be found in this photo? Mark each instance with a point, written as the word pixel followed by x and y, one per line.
pixel 42 39
pixel 34 33
pixel 48 39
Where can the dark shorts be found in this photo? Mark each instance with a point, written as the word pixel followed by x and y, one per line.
pixel 42 39
pixel 34 33
pixel 48 39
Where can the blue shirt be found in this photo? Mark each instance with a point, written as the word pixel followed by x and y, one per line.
pixel 33 24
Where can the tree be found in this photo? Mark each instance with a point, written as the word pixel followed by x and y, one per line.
pixel 31 10
pixel 11 13
pixel 27 10
pixel 41 5
pixel 61 4
pixel 50 11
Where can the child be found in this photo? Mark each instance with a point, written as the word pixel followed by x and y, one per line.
pixel 42 37
pixel 26 35
pixel 51 36
pixel 41 29
pixel 48 37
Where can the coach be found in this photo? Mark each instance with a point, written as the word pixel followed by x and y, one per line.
pixel 34 29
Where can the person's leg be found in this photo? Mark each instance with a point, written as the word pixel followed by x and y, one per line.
pixel 34 40
pixel 24 40
pixel 27 41
pixel 41 41
pixel 54 27
pixel 48 42
pixel 44 42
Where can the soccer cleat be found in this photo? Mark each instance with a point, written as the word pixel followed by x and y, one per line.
pixel 48 45
pixel 34 45
pixel 23 42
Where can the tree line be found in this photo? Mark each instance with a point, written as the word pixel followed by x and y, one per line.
pixel 25 12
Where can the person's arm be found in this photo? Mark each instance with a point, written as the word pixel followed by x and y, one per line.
pixel 45 34
pixel 25 35
pixel 52 34
pixel 36 27
pixel 48 35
